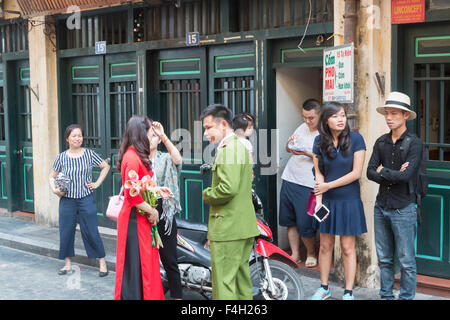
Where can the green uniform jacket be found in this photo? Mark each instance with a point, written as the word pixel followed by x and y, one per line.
pixel 231 214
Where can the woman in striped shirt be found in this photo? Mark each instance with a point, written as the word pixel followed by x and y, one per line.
pixel 76 163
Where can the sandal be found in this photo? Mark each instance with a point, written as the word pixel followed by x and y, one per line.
pixel 311 262
pixel 64 271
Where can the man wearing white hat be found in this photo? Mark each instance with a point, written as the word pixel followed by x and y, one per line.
pixel 395 216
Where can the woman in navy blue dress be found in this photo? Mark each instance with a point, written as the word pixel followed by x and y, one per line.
pixel 338 163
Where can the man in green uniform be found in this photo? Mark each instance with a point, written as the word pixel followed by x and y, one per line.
pixel 232 221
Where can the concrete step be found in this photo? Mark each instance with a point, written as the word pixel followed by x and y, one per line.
pixel 429 285
pixel 24 234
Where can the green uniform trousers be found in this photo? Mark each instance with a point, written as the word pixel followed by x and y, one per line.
pixel 230 269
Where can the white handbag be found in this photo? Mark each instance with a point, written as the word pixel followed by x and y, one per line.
pixel 115 205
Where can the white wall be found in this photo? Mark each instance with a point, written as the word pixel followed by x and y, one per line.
pixel 294 85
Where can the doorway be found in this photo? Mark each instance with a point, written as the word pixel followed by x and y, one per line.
pixel 3 145
pixel 17 115
pixel 185 82
pixel 293 87
pixel 427 79
pixel 99 93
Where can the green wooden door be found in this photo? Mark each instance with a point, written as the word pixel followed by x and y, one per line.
pixel 102 97
pixel 427 75
pixel 121 104
pixel 232 77
pixel 188 80
pixel 85 92
pixel 3 145
pixel 24 149
pixel 180 94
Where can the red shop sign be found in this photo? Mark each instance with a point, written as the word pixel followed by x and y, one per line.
pixel 407 11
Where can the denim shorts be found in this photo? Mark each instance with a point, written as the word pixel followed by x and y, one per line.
pixel 293 203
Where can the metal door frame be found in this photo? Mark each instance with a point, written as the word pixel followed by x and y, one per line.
pixel 104 79
pixel 24 152
pixel 4 201
pixel 438 197
pixel 114 179
pixel 190 172
pixel 12 198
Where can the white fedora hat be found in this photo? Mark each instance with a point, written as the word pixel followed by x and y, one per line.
pixel 400 101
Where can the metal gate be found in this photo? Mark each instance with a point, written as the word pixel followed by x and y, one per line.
pixel 187 81
pixel 428 78
pixel 102 97
pixel 180 95
pixel 24 148
pixel 100 93
pixel 16 150
pixel 3 145
pixel 232 77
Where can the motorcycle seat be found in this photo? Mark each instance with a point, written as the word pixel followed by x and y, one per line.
pixel 185 224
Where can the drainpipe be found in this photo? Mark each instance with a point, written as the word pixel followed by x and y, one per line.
pixel 350 21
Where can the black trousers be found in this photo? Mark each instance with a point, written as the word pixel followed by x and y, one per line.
pixel 132 275
pixel 168 256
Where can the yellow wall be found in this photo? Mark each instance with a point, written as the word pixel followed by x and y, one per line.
pixel 43 80
pixel 372 54
pixel 12 6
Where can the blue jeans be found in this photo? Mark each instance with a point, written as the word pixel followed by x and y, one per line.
pixel 395 231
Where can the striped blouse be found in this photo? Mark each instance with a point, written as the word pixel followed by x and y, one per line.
pixel 79 170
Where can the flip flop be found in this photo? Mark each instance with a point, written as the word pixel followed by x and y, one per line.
pixel 311 262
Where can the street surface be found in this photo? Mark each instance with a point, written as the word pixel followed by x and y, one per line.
pixel 28 276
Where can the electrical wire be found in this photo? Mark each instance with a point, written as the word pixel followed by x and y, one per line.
pixel 306 28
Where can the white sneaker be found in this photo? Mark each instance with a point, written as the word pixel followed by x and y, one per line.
pixel 348 296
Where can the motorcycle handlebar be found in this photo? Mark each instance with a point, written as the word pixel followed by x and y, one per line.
pixel 205 168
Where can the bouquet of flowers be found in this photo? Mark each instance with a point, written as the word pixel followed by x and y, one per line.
pixel 146 187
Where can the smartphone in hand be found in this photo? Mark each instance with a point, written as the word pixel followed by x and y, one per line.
pixel 322 213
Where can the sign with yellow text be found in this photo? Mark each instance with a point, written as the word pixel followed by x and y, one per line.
pixel 407 11
pixel 338 74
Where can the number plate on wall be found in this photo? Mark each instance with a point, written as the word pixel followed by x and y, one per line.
pixel 192 38
pixel 100 47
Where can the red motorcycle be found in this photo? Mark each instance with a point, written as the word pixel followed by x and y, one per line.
pixel 271 269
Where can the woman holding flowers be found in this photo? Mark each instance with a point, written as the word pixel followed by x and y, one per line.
pixel 137 266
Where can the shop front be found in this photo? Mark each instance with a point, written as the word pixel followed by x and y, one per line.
pixel 424 74
pixel 149 68
pixel 16 152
